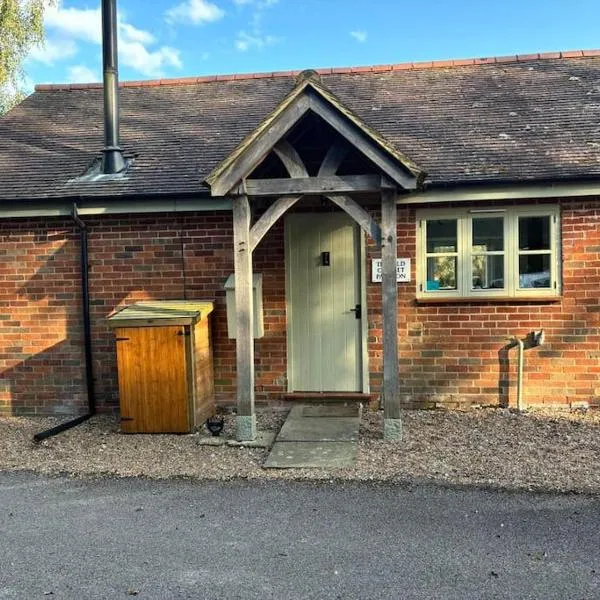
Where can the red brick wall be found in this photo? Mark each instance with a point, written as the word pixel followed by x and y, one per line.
pixel 41 350
pixel 449 353
pixel 457 354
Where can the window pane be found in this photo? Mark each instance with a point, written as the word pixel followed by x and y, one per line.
pixel 488 272
pixel 534 233
pixel 534 271
pixel 441 236
pixel 441 273
pixel 488 234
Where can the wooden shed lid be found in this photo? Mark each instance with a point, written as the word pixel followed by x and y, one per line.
pixel 161 312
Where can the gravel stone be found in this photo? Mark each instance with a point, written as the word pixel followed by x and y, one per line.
pixel 542 450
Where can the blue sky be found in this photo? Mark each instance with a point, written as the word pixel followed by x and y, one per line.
pixel 179 38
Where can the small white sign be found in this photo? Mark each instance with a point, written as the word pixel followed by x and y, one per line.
pixel 402 270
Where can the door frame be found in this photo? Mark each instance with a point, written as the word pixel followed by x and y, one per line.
pixel 360 254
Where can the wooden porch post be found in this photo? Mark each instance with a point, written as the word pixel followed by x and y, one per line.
pixel 244 343
pixel 392 425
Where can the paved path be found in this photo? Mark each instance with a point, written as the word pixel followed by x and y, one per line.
pixel 317 435
pixel 105 539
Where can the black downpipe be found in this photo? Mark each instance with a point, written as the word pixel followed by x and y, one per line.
pixel 87 337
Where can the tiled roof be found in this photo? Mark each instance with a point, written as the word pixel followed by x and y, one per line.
pixel 534 117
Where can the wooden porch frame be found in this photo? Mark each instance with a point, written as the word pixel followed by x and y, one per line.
pixel 231 177
pixel 248 236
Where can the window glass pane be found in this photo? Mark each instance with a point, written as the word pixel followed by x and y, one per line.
pixel 441 236
pixel 441 273
pixel 488 234
pixel 534 271
pixel 488 272
pixel 534 233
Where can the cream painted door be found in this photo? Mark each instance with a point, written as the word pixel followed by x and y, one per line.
pixel 323 331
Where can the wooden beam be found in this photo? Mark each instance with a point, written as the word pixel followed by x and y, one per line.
pixel 244 343
pixel 333 159
pixel 355 137
pixel 249 158
pixel 360 215
pixel 270 217
pixel 290 159
pixel 389 292
pixel 331 184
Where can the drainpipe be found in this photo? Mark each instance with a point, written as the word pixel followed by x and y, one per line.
pixel 521 355
pixel 87 337
pixel 536 338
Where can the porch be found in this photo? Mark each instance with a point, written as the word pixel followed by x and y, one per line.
pixel 311 148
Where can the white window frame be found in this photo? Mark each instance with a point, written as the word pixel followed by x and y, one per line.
pixel 464 280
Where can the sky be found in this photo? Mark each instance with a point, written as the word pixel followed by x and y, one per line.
pixel 181 38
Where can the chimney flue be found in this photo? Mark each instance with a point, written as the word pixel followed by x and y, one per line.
pixel 113 161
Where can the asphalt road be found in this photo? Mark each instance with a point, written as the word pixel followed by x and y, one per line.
pixel 75 539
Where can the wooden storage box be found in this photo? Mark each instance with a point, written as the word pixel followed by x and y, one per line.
pixel 165 367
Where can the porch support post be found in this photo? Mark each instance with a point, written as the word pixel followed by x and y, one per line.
pixel 392 425
pixel 244 343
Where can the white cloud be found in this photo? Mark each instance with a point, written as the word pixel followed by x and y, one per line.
pixel 81 74
pixel 255 37
pixel 150 63
pixel 194 11
pixel 84 24
pixel 53 50
pixel 133 34
pixel 245 41
pixel 360 36
pixel 78 23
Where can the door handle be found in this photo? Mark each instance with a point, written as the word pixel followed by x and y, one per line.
pixel 357 310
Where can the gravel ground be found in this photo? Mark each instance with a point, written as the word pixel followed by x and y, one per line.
pixel 543 450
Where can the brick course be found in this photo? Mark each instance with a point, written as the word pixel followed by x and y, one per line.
pixel 450 354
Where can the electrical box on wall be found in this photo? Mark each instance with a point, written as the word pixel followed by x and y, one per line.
pixel 257 301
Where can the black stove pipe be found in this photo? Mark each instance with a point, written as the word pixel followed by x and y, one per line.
pixel 113 161
pixel 87 336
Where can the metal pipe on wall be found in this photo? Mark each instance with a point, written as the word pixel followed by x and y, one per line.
pixel 87 336
pixel 113 161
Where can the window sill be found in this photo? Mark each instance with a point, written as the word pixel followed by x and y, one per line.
pixel 488 299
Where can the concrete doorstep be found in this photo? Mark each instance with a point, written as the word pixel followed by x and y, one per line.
pixel 317 435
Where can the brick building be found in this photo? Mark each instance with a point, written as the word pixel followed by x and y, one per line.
pixel 493 165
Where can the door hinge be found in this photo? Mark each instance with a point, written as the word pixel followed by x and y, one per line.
pixel 185 332
pixel 127 419
pixel 121 339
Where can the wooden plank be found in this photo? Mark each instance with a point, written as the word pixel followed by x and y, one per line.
pixel 270 217
pixel 251 157
pixel 360 215
pixel 290 159
pixel 333 159
pixel 367 147
pixel 389 292
pixel 153 386
pixel 330 184
pixel 204 398
pixel 244 310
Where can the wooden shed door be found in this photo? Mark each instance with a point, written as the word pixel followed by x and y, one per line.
pixel 152 379
pixel 323 291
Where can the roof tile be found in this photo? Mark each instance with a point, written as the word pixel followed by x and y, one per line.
pixel 448 121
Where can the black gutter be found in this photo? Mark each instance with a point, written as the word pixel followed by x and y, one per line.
pixel 498 182
pixel 87 337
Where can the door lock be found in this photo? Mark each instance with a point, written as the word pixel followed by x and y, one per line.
pixel 357 310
